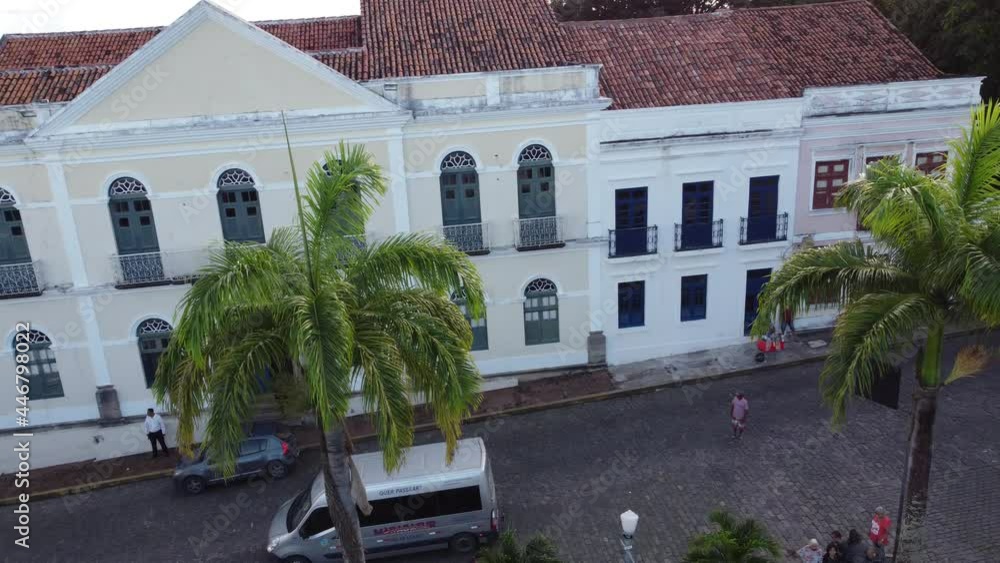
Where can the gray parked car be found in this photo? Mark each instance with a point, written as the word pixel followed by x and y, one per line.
pixel 258 455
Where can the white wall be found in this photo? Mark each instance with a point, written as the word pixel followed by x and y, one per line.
pixel 662 167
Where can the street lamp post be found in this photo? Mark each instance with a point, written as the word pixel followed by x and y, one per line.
pixel 630 520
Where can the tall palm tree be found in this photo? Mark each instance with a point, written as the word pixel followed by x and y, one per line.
pixel 316 306
pixel 539 549
pixel 734 542
pixel 934 260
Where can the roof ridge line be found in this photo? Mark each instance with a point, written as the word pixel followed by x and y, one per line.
pixel 40 69
pixel 162 27
pixel 86 32
pixel 709 14
pixel 307 20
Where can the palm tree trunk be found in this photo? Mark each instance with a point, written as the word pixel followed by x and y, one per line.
pixel 911 539
pixel 337 475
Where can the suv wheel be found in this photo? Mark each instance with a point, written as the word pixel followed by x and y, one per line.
pixel 195 485
pixel 277 469
pixel 463 543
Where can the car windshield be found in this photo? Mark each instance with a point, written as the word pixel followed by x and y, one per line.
pixel 299 509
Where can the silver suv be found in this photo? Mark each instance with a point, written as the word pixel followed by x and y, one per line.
pixel 259 455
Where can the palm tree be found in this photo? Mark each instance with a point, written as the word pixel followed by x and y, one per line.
pixel 733 542
pixel 539 549
pixel 314 305
pixel 934 260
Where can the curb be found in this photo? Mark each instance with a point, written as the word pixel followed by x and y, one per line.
pixel 583 399
pixel 80 489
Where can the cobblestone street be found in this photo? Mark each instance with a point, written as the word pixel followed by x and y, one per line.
pixel 571 471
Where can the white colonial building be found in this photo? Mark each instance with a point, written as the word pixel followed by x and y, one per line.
pixel 625 188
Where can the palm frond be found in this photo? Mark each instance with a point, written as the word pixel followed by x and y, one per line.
pixel 980 288
pixel 341 195
pixel 424 260
pixel 384 391
pixel 971 360
pixel 234 387
pixel 433 339
pixel 866 333
pixel 838 273
pixel 322 338
pixel 975 160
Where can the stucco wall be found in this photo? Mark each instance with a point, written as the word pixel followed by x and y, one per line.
pixel 855 138
pixel 205 74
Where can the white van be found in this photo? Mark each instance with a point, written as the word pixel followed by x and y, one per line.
pixel 423 506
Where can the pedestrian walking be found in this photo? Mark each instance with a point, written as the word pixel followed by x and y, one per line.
pixel 788 322
pixel 878 533
pixel 838 538
pixel 834 553
pixel 856 548
pixel 739 410
pixel 154 431
pixel 811 552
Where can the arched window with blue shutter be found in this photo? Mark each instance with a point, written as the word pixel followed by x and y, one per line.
pixel 154 336
pixel 460 210
pixel 138 260
pixel 17 273
pixel 239 207
pixel 43 373
pixel 541 312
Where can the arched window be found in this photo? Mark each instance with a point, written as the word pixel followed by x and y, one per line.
pixel 43 375
pixel 138 258
pixel 154 336
pixel 239 207
pixel 536 199
pixel 480 336
pixel 460 212
pixel 541 312
pixel 17 274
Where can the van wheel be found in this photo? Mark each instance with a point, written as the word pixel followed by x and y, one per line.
pixel 277 469
pixel 194 485
pixel 463 543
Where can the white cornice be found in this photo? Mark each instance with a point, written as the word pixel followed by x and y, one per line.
pixel 214 130
pixel 514 112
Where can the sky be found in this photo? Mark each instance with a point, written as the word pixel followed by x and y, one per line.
pixel 37 16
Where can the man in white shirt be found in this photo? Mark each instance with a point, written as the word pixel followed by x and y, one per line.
pixel 154 431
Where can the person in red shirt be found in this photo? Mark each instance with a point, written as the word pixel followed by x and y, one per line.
pixel 879 530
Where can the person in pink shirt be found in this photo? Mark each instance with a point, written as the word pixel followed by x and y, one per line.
pixel 739 410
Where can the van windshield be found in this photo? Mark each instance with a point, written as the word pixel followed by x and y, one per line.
pixel 299 509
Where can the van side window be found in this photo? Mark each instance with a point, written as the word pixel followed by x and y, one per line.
pixel 426 505
pixel 318 522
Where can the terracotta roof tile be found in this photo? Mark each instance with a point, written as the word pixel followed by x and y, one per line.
pixel 54 85
pixel 426 37
pixel 88 48
pixel 745 55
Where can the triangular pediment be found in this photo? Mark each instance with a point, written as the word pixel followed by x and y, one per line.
pixel 210 63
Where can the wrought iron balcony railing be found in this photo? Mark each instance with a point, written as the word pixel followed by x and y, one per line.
pixel 21 280
pixel 632 242
pixel 538 232
pixel 157 268
pixel 471 238
pixel 697 236
pixel 763 228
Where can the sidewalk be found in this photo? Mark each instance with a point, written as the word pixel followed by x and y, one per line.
pixel 533 392
pixel 728 361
